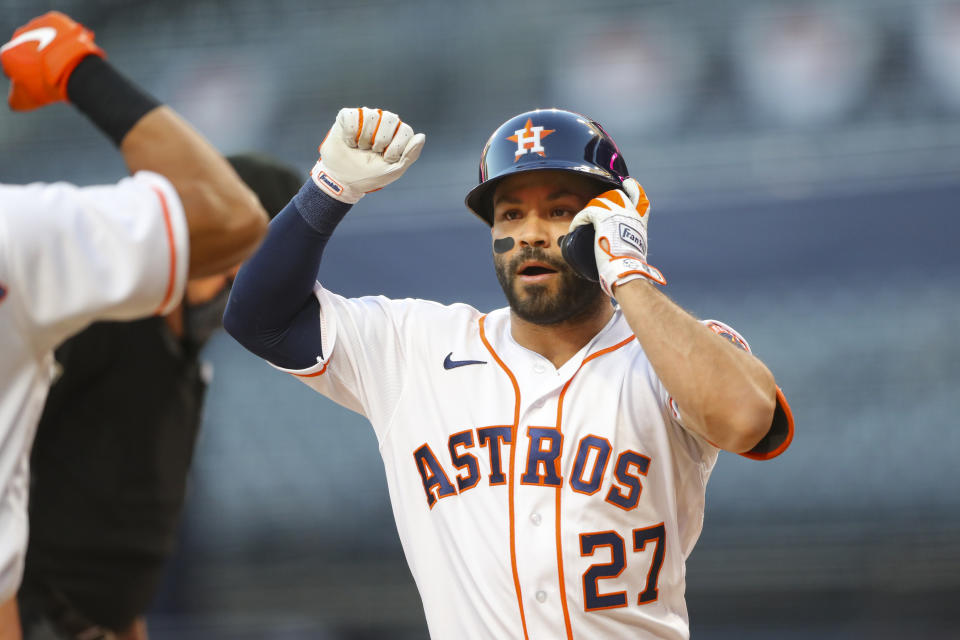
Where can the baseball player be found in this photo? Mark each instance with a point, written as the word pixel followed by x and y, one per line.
pixel 547 461
pixel 70 255
pixel 127 390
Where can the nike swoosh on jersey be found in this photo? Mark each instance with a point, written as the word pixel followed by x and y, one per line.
pixel 43 36
pixel 449 363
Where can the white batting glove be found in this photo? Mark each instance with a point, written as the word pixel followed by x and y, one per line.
pixel 365 150
pixel 619 218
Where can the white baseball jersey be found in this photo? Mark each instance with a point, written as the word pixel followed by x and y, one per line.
pixel 532 502
pixel 69 256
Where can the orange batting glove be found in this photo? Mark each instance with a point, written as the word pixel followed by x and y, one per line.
pixel 41 56
pixel 619 218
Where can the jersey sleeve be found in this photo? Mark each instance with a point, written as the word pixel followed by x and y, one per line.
pixel 80 254
pixel 779 436
pixel 364 353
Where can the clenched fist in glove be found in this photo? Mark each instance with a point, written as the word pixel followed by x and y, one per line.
pixel 619 243
pixel 366 150
pixel 40 58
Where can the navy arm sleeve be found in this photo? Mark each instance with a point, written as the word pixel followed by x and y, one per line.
pixel 272 310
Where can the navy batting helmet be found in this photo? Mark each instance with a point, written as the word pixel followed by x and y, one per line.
pixel 545 139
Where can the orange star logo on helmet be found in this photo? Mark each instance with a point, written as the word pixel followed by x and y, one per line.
pixel 530 139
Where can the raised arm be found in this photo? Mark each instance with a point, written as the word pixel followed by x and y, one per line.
pixel 724 394
pixel 272 310
pixel 53 58
pixel 225 217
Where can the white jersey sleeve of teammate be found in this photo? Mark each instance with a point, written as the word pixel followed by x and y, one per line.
pixel 69 256
pixel 78 254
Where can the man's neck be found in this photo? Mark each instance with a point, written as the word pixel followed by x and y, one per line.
pixel 559 342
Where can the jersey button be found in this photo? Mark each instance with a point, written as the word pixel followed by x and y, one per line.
pixel 541 596
pixel 536 519
pixel 539 368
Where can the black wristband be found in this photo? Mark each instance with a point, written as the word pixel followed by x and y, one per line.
pixel 112 102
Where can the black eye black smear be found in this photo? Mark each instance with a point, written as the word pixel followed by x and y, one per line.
pixel 502 245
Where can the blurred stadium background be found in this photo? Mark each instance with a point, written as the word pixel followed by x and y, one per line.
pixel 804 164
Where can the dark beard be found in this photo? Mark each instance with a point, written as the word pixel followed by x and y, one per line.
pixel 576 297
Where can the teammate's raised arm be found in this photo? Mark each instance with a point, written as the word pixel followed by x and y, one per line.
pixel 272 309
pixel 53 58
pixel 71 255
pixel 225 218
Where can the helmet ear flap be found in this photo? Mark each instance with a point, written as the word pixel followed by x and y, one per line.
pixel 577 250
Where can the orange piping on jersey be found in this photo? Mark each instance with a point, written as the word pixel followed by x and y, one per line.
pixel 535 470
pixel 316 373
pixel 563 392
pixel 513 457
pixel 168 225
pixel 782 401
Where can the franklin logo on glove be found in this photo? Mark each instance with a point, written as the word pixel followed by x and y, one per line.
pixel 331 185
pixel 620 218
pixel 629 235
